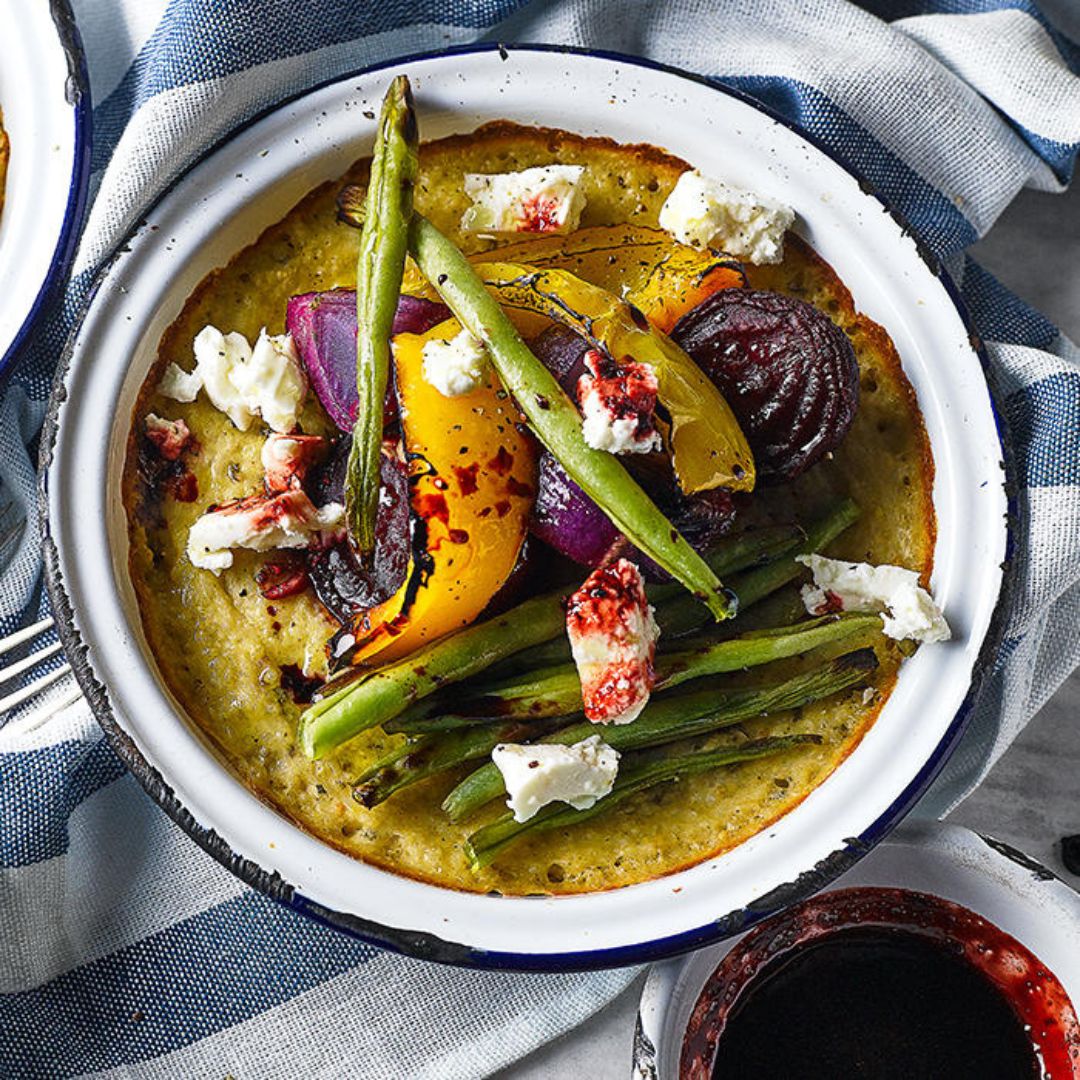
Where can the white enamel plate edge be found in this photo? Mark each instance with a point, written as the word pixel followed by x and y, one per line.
pixel 46 113
pixel 223 204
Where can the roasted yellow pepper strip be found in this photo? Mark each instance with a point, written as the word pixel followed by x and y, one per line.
pixel 473 482
pixel 708 448
pixel 662 278
pixel 557 421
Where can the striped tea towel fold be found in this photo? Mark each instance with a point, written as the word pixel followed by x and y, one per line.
pixel 124 949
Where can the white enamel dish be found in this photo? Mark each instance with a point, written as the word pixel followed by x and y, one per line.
pixel 223 204
pixel 45 97
pixel 1004 886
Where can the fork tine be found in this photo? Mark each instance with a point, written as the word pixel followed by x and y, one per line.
pixel 36 717
pixel 9 673
pixel 27 692
pixel 25 634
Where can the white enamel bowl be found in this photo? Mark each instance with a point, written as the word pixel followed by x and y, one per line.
pixel 44 94
pixel 252 180
pixel 995 881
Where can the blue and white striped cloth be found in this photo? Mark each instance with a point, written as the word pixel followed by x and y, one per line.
pixel 126 951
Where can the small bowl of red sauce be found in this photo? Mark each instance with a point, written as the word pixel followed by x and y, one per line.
pixel 942 954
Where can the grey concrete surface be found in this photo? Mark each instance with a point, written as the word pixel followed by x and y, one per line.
pixel 1032 796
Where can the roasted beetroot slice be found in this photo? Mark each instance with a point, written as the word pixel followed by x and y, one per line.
pixel 788 372
pixel 705 517
pixel 341 582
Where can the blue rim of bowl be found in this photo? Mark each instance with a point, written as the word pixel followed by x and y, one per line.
pixel 77 92
pixel 422 945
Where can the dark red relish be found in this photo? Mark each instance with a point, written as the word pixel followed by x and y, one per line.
pixel 881 984
pixel 283 574
pixel 874 1002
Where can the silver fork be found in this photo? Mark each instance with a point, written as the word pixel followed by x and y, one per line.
pixel 8 538
pixel 12 671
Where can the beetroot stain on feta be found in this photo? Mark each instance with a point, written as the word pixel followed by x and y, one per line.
pixel 618 405
pixel 613 640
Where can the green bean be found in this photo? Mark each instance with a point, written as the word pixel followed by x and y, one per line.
pixel 556 691
pixel 753 585
pixel 381 263
pixel 432 755
pixel 677 613
pixel 383 693
pixel 420 723
pixel 556 420
pixel 484 845
pixel 681 716
pixel 551 691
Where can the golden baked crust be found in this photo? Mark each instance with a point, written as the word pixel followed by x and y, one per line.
pixel 5 153
pixel 220 646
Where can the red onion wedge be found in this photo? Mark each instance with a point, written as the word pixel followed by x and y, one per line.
pixel 565 518
pixel 323 326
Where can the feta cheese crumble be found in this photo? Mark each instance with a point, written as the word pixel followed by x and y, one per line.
pixel 273 381
pixel 618 403
pixel 546 199
pixel 287 458
pixel 613 636
pixel 262 522
pixel 545 773
pixel 703 212
pixel 455 367
pixel 169 437
pixel 180 385
pixel 907 609
pixel 243 382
